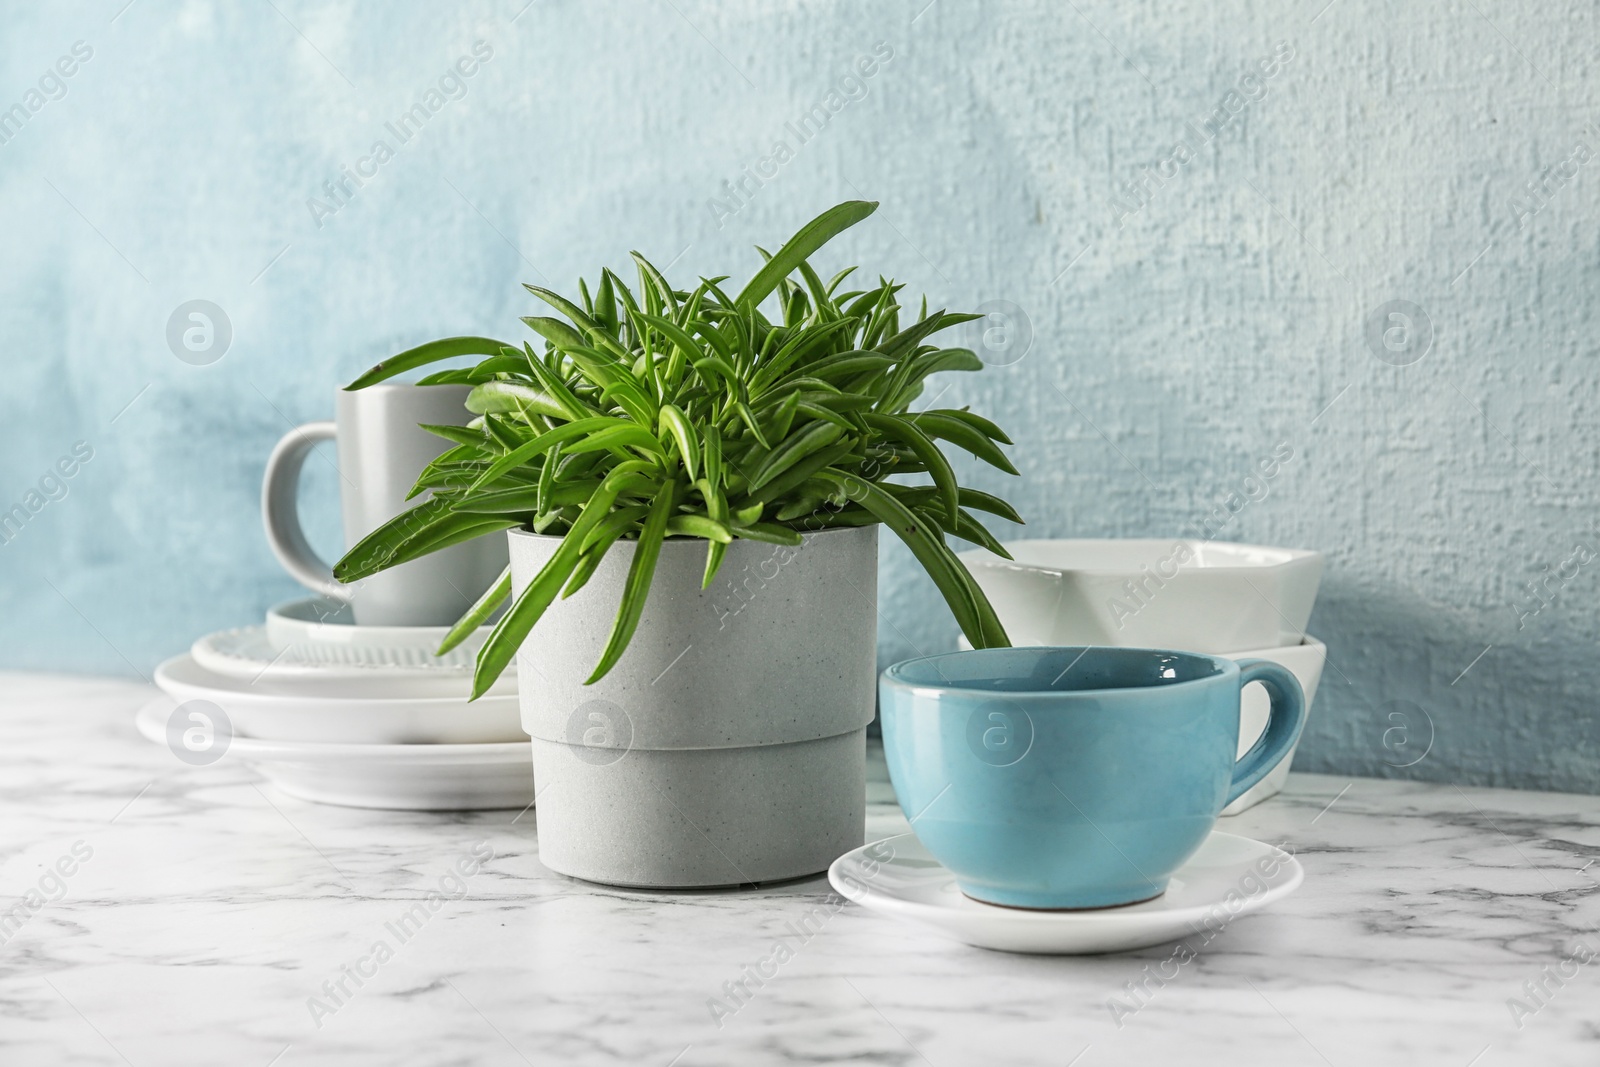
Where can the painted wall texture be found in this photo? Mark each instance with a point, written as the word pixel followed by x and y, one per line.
pixel 1199 216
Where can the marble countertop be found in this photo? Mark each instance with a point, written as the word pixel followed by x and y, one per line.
pixel 201 912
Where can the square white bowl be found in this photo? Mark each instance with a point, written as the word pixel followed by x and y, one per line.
pixel 1201 596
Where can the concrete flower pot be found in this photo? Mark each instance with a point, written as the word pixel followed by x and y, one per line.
pixel 728 745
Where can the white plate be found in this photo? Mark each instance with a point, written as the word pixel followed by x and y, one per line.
pixel 256 712
pixel 1203 596
pixel 1221 882
pixel 325 621
pixel 319 669
pixel 402 777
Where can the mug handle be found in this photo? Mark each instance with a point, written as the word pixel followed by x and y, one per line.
pixel 1285 719
pixel 280 509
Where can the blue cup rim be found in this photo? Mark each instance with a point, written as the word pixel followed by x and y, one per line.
pixel 893 674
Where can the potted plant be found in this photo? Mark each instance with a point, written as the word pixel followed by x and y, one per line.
pixel 711 480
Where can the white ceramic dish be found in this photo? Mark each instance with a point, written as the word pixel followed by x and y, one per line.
pixel 1228 877
pixel 1203 596
pixel 326 621
pixel 394 720
pixel 401 777
pixel 311 668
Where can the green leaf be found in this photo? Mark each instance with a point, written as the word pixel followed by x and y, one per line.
pixel 468 624
pixel 768 532
pixel 552 384
pixel 698 526
pixel 752 423
pixel 964 436
pixel 627 435
pixel 675 422
pixel 799 248
pixel 935 556
pixel 561 434
pixel 617 524
pixel 795 476
pixel 374 552
pixel 817 436
pixel 637 586
pixel 976 421
pixel 920 443
pixel 461 435
pixel 515 624
pixel 566 307
pixel 977 500
pixel 495 398
pixel 711 460
pixel 658 283
pixel 432 352
pixel 745 516
pixel 590 560
pixel 555 331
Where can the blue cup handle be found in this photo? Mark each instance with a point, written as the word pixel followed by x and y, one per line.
pixel 1285 720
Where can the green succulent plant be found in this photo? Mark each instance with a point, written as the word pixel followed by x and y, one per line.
pixel 690 414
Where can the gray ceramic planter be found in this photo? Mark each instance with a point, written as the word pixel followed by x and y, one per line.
pixel 729 743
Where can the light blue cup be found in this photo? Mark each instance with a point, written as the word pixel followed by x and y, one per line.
pixel 1074 777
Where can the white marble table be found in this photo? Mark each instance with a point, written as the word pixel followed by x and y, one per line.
pixel 210 910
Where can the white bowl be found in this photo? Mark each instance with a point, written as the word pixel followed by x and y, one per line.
pixel 1201 596
pixel 398 720
pixel 397 777
pixel 326 621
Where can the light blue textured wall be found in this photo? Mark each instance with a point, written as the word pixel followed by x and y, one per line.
pixel 1174 342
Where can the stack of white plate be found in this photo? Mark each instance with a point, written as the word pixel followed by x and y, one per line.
pixel 330 711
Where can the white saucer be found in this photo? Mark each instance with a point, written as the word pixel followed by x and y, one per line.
pixel 401 777
pixel 1222 881
pixel 317 668
pixel 381 717
pixel 325 621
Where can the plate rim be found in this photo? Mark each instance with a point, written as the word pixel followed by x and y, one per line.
pixel 1098 917
pixel 298 670
pixel 262 701
pixel 255 749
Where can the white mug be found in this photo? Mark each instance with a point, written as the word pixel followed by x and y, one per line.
pixel 381 452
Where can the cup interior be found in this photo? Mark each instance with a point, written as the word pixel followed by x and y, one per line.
pixel 1056 670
